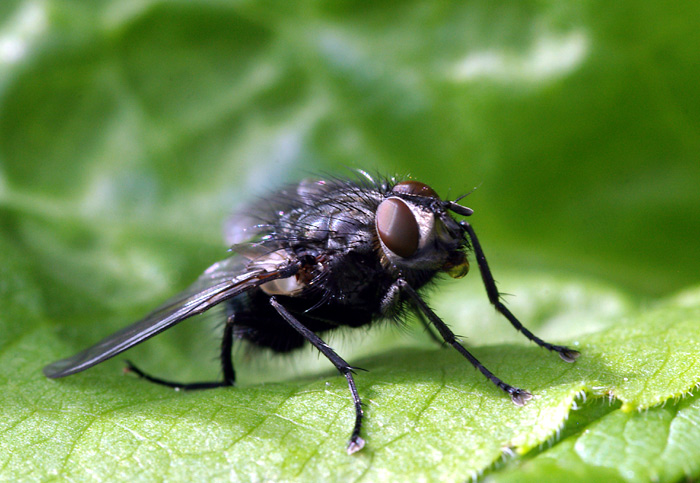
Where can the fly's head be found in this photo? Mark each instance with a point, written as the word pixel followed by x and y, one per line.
pixel 415 231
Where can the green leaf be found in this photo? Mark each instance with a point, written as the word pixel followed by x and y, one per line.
pixel 429 414
pixel 130 130
pixel 660 444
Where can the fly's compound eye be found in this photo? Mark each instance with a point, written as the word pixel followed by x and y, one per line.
pixel 397 227
pixel 415 188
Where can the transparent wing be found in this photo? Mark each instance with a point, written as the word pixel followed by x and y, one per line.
pixel 221 281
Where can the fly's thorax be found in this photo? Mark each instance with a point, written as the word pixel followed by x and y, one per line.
pixel 341 223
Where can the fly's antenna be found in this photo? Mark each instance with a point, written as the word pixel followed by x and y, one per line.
pixel 468 193
pixel 459 209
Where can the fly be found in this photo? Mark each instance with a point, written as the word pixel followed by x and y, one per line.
pixel 318 256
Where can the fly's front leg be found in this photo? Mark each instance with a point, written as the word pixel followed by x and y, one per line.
pixel 356 443
pixel 518 396
pixel 568 355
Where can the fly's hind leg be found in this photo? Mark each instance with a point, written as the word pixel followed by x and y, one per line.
pixel 229 375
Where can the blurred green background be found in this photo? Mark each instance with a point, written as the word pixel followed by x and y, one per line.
pixel 130 129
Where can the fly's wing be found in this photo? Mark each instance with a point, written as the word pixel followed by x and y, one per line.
pixel 220 282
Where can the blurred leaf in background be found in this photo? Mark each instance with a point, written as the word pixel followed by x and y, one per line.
pixel 129 130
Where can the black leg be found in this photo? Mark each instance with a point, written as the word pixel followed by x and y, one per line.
pixel 429 328
pixel 356 443
pixel 226 362
pixel 569 355
pixel 226 349
pixel 518 396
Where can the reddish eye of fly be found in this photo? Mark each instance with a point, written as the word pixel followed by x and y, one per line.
pixel 397 227
pixel 415 188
